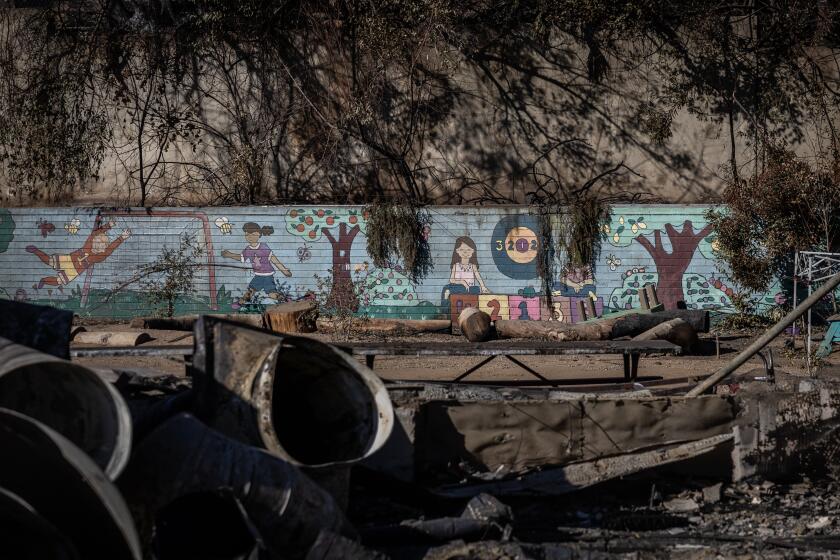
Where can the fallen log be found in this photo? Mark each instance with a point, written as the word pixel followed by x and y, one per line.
pixel 675 330
pixel 698 319
pixel 291 317
pixel 475 325
pixel 390 326
pixel 187 322
pixel 110 338
pixel 653 299
pixel 609 327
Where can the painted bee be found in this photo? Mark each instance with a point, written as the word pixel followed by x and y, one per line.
pixel 224 225
pixel 303 253
pixel 72 226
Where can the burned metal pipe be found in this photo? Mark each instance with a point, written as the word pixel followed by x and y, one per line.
pixel 184 471
pixel 210 524
pixel 26 535
pixel 303 400
pixel 59 481
pixel 766 338
pixel 69 398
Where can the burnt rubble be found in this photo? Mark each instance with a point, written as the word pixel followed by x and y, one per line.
pixel 279 446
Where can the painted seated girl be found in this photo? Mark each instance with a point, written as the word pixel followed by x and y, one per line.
pixel 464 277
pixel 263 262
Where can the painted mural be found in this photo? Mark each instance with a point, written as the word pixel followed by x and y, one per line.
pixel 87 260
pixel 263 263
pixel 676 256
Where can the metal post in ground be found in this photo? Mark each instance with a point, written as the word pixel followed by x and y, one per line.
pixel 808 341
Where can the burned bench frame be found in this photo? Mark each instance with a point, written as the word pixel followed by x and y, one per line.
pixel 630 350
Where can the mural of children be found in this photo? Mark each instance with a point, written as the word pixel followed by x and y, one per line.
pixel 464 277
pixel 262 260
pixel 97 248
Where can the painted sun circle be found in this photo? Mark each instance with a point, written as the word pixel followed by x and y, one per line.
pixel 521 245
pixel 515 246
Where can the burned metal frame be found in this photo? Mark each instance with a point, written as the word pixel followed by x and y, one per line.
pixel 811 267
pixel 630 350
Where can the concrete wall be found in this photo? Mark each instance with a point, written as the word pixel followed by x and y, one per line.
pixel 43 259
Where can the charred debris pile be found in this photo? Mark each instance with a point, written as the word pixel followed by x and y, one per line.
pixel 280 446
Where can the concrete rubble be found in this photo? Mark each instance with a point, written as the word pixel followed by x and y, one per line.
pixel 285 447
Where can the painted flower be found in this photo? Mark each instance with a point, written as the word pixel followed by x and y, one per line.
pixel 637 224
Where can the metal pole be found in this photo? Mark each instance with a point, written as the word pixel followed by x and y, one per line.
pixel 810 290
pixel 793 329
pixel 796 272
pixel 766 338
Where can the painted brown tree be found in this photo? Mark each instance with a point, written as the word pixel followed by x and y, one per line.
pixel 670 266
pixel 340 228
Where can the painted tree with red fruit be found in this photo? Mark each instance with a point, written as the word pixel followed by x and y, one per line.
pixel 670 266
pixel 340 227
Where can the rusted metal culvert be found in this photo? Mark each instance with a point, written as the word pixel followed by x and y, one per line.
pixel 69 398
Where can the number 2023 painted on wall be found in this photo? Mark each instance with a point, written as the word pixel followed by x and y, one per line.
pixel 516 246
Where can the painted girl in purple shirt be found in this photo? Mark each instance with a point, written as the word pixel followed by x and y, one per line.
pixel 262 260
